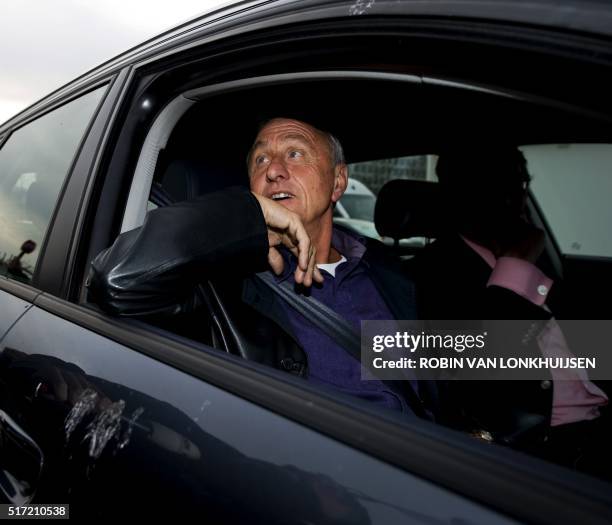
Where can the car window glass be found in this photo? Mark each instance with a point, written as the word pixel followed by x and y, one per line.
pixel 355 209
pixel 576 177
pixel 377 172
pixel 34 162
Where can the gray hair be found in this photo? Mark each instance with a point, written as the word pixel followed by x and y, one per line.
pixel 337 153
pixel 335 148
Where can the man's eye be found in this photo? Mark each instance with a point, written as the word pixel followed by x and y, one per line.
pixel 294 154
pixel 260 159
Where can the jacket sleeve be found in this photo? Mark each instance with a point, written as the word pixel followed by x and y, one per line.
pixel 154 269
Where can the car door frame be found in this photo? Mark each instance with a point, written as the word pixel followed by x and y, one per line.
pixel 29 291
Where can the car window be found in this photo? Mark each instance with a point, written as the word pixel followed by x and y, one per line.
pixel 576 177
pixel 34 162
pixel 355 209
pixel 376 173
pixel 199 168
pixel 359 206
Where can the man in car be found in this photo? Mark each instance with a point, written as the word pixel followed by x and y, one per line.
pixel 297 173
pixel 484 266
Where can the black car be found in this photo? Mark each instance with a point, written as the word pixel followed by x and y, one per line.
pixel 123 417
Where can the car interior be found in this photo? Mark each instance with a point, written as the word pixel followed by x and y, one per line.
pixel 396 117
pixel 199 145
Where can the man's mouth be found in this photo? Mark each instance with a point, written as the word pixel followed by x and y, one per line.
pixel 281 195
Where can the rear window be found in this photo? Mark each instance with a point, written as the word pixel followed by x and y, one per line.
pixel 359 206
pixel 572 184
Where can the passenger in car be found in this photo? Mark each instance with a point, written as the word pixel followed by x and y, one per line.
pixel 485 267
pixel 297 173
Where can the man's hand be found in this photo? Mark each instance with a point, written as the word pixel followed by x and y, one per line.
pixel 286 228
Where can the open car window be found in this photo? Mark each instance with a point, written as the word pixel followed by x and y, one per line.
pixel 195 160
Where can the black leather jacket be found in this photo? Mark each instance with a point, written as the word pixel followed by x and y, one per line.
pixel 154 270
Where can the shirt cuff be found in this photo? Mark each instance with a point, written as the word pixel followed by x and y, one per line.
pixel 522 277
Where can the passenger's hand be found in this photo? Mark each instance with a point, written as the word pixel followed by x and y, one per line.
pixel 285 227
pixel 527 244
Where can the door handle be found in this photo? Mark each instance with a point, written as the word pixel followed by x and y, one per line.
pixel 21 462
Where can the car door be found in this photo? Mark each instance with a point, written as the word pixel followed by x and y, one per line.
pixel 120 430
pixel 29 189
pixel 34 162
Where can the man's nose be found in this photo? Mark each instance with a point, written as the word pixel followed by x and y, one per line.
pixel 276 170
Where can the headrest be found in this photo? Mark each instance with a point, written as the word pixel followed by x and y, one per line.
pixel 186 179
pixel 408 208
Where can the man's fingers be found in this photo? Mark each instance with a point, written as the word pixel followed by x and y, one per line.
pixel 298 242
pixel 275 260
pixel 302 240
pixel 311 274
pixel 286 228
pixel 299 274
pixel 311 267
pixel 294 238
pixel 274 239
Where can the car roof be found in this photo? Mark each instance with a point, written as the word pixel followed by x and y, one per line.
pixel 590 17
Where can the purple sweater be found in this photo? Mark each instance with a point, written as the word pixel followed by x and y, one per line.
pixel 351 294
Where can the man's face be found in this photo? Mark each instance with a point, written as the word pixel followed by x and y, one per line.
pixel 291 163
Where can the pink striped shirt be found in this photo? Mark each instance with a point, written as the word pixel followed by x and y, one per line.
pixel 575 398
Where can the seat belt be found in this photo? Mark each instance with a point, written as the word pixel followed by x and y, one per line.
pixel 339 329
pixel 323 317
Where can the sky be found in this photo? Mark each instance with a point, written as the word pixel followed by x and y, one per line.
pixel 46 43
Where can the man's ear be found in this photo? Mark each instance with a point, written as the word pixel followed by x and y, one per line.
pixel 340 181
